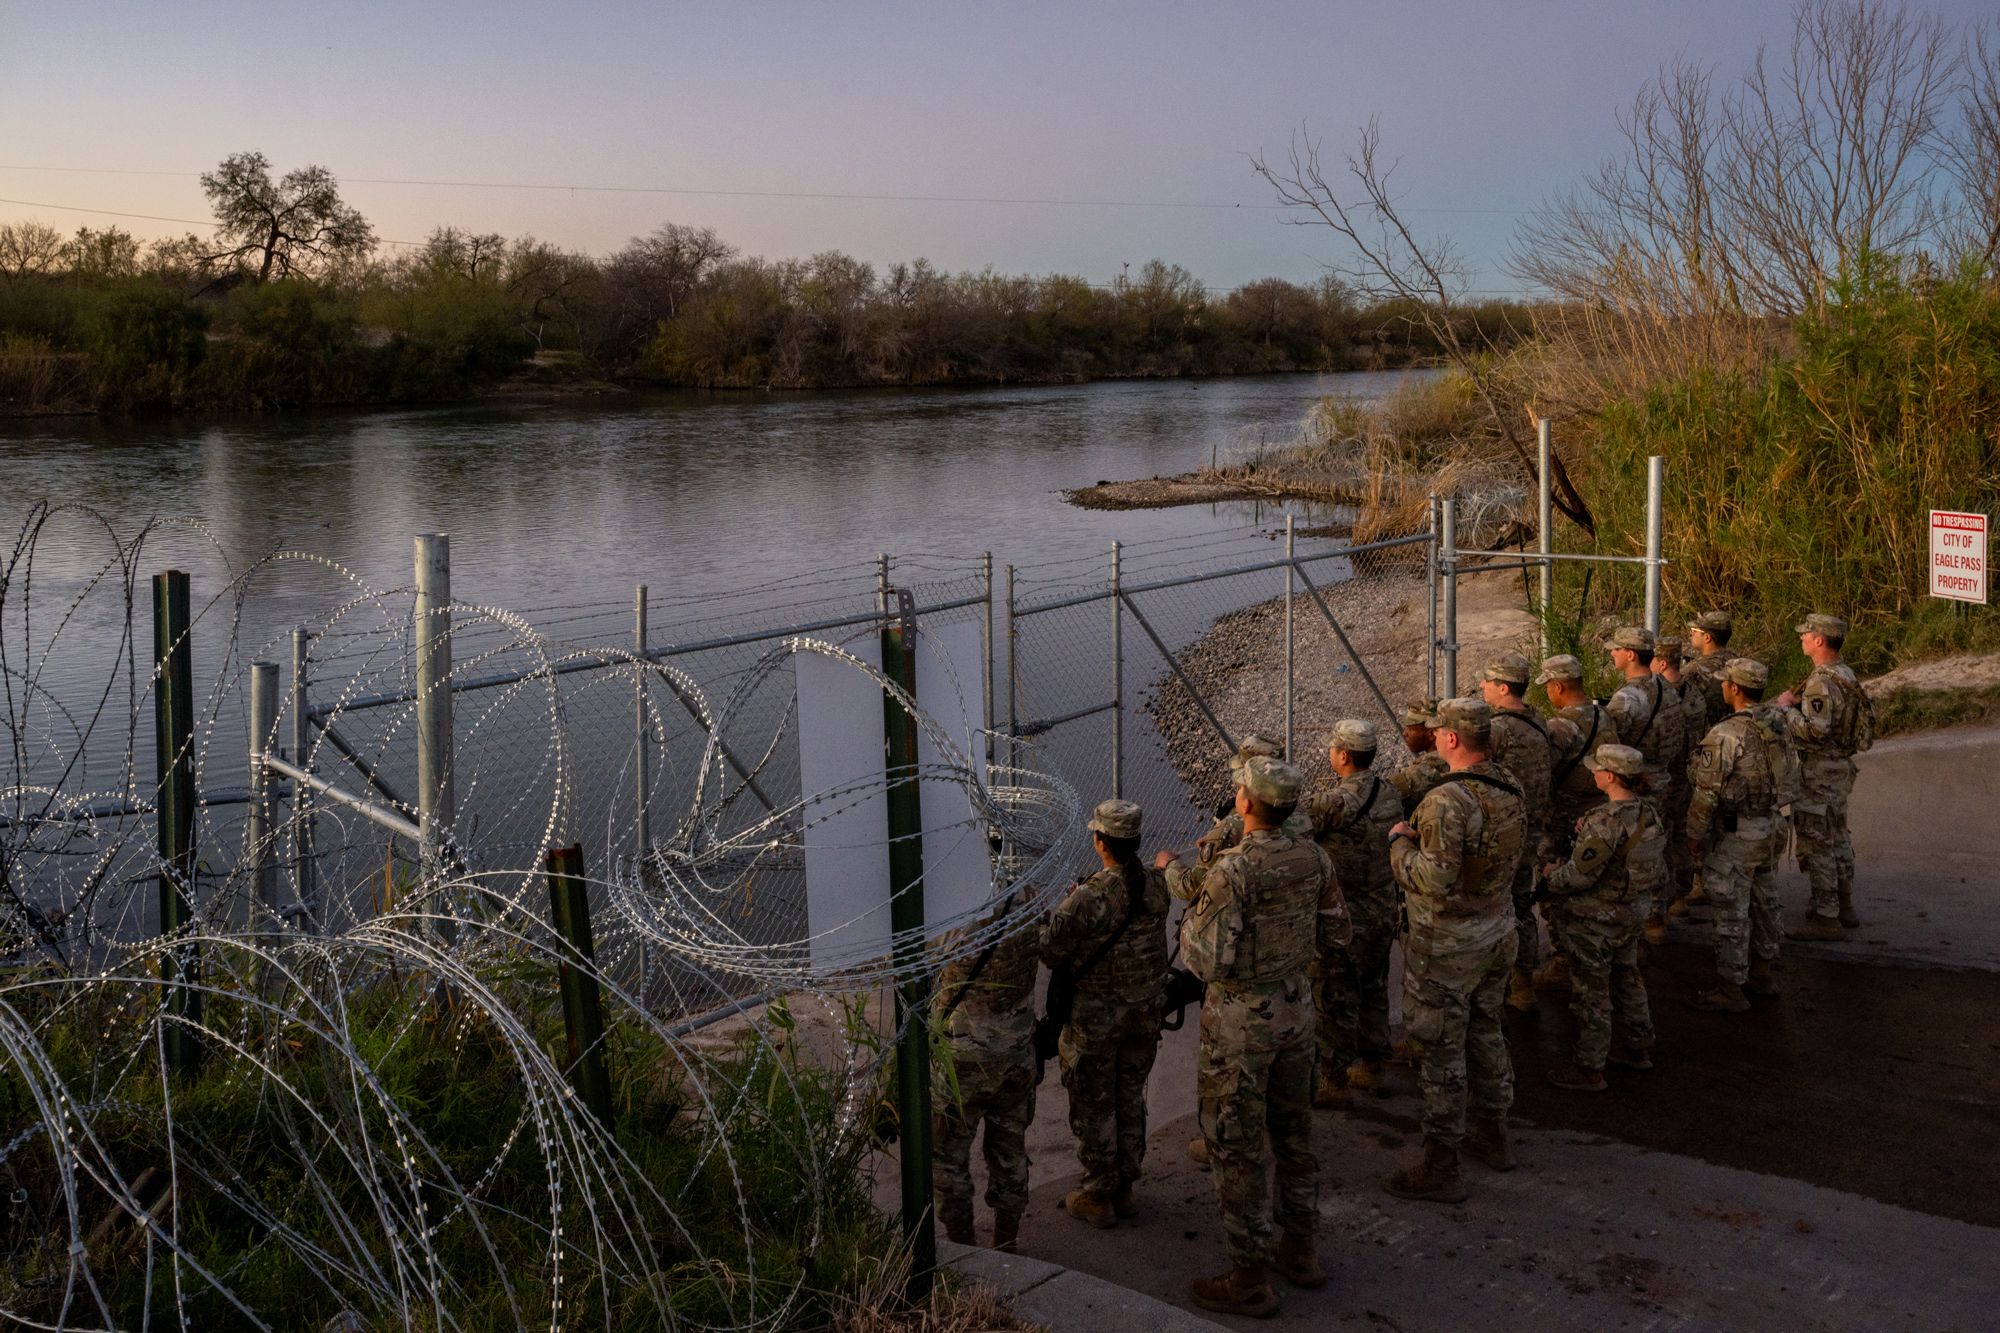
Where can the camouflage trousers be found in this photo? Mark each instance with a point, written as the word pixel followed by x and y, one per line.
pixel 1527 931
pixel 1351 995
pixel 1106 1054
pixel 1254 1080
pixel 1681 863
pixel 1452 1005
pixel 1605 984
pixel 1002 1097
pixel 1738 876
pixel 1819 827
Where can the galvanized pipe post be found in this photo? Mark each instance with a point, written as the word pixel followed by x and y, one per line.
pixel 437 800
pixel 642 731
pixel 1291 577
pixel 1117 679
pixel 1449 646
pixel 302 817
pixel 1013 679
pixel 262 815
pixel 583 1012
pixel 1431 578
pixel 1656 495
pixel 173 752
pixel 986 657
pixel 1544 532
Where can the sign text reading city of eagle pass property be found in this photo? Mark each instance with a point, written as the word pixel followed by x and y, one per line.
pixel 1958 556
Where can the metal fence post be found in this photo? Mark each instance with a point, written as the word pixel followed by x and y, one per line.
pixel 302 817
pixel 1656 494
pixel 583 1013
pixel 1431 577
pixel 906 921
pixel 173 750
pixel 1013 679
pixel 1449 646
pixel 260 821
pixel 1291 577
pixel 1117 679
pixel 986 657
pixel 1544 530
pixel 436 791
pixel 642 824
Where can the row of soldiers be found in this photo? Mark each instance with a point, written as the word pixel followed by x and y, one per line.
pixel 1601 813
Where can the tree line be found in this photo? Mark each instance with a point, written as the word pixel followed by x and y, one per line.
pixel 292 301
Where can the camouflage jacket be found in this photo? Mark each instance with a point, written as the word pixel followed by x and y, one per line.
pixel 1577 732
pixel 1521 745
pixel 1618 865
pixel 1706 673
pixel 1818 726
pixel 1732 780
pixel 1649 717
pixel 992 1014
pixel 1414 780
pixel 1185 881
pixel 1351 820
pixel 1458 872
pixel 1270 906
pixel 1694 718
pixel 1134 971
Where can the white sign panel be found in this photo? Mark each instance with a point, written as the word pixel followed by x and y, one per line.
pixel 1958 556
pixel 842 755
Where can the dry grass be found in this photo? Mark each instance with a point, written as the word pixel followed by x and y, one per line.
pixel 955 1305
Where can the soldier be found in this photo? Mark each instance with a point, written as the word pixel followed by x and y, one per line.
pixel 1667 652
pixel 1708 638
pixel 1648 719
pixel 1426 768
pixel 1521 745
pixel 1456 867
pixel 1109 936
pixel 1184 880
pixel 1730 821
pixel 1596 900
pixel 1831 719
pixel 1269 905
pixel 1351 820
pixel 988 1008
pixel 1580 728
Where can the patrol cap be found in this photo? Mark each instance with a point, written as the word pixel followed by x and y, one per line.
pixel 1511 668
pixel 1714 622
pixel 1473 715
pixel 1672 647
pixel 1272 781
pixel 1623 760
pixel 1115 819
pixel 1422 713
pixel 1747 672
pixel 1251 747
pixel 1560 667
pixel 1631 636
pixel 1819 622
pixel 1351 733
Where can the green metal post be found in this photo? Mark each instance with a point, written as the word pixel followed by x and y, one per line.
pixel 906 919
pixel 583 1011
pixel 173 750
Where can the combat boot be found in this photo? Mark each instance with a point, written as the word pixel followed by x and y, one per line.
pixel 1656 928
pixel 1242 1290
pixel 1632 1057
pixel 1696 895
pixel 1763 977
pixel 1575 1078
pixel 1297 1260
pixel 1368 1075
pixel 957 1219
pixel 1330 1092
pixel 1521 991
pixel 1007 1232
pixel 1826 928
pixel 1725 998
pixel 1436 1179
pixel 1093 1209
pixel 1553 975
pixel 1399 1052
pixel 1198 1152
pixel 1847 917
pixel 1486 1141
pixel 1679 907
pixel 1123 1204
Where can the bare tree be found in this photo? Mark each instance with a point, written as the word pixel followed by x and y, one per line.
pixel 1391 263
pixel 1972 148
pixel 29 248
pixel 465 254
pixel 653 277
pixel 285 227
pixel 111 253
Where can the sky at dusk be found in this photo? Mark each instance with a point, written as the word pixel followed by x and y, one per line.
pixel 1142 117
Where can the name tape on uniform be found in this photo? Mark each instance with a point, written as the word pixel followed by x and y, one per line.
pixel 1958 556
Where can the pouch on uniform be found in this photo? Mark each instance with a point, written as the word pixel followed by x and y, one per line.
pixel 1857 726
pixel 1211 932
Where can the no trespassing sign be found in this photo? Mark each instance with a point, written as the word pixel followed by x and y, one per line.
pixel 1958 556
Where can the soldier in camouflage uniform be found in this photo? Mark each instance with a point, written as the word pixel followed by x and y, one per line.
pixel 1111 933
pixel 1351 820
pixel 1426 768
pixel 1521 745
pixel 1580 728
pixel 1668 651
pixel 1270 904
pixel 1595 906
pixel 1185 880
pixel 1830 720
pixel 1708 641
pixel 1456 866
pixel 988 1000
pixel 1730 821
